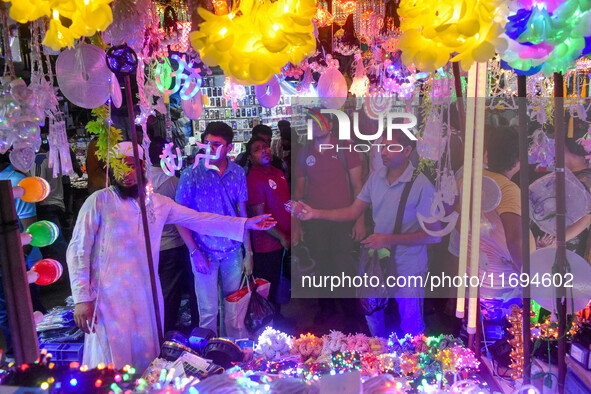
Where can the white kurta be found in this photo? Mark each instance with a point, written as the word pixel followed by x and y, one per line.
pixel 107 262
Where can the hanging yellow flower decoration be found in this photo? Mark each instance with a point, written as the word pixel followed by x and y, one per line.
pixel 88 17
pixel 257 38
pixel 434 30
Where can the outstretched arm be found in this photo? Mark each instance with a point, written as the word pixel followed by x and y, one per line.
pixel 350 213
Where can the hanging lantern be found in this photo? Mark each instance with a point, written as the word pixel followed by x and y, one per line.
pixel 323 17
pixel 348 6
pixel 361 8
pixel 370 25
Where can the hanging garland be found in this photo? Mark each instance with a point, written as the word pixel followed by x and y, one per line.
pixel 109 136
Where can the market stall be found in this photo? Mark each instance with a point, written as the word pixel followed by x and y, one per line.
pixel 92 75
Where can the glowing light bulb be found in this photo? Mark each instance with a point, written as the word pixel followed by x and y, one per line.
pixel 223 31
pixel 56 15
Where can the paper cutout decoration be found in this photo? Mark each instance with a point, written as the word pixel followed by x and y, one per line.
pixel 59 149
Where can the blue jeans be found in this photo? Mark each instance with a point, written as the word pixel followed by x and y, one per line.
pixel 225 275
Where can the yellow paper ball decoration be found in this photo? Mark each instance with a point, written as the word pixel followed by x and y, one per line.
pixel 88 17
pixel 434 30
pixel 257 38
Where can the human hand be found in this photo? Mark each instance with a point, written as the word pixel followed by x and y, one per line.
pixel 200 263
pixel 377 241
pixel 247 264
pixel 261 223
pixel 358 231
pixel 303 211
pixel 83 314
pixel 545 241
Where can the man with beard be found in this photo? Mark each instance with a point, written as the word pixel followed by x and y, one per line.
pixel 109 270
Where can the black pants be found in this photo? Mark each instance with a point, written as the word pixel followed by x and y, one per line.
pixel 268 266
pixel 331 246
pixel 176 277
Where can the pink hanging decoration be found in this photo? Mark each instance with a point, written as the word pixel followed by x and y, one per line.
pixel 360 85
pixel 59 149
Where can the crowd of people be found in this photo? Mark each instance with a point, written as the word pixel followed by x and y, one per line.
pixel 351 204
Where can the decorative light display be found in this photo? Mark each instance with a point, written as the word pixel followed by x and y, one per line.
pixel 122 60
pixel 369 25
pixel 87 17
pixel 185 78
pixel 418 362
pixel 44 233
pixel 49 271
pixel 322 17
pixel 547 36
pixel 433 30
pixel 169 162
pixel 233 92
pixel 257 38
pixel 360 85
pixel 348 6
pixel 36 189
pixel 207 156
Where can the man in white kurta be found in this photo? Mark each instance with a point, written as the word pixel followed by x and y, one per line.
pixel 109 269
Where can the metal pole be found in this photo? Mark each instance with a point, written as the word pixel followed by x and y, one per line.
pixel 141 188
pixel 559 136
pixel 524 185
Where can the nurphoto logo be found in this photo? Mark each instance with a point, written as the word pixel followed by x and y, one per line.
pixel 394 121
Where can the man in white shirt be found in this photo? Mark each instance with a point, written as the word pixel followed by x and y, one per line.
pixel 109 270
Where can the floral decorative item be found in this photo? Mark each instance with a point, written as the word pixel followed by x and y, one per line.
pixel 257 38
pixel 87 17
pixel 547 36
pixel 433 30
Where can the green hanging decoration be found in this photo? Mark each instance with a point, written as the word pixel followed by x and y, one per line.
pixel 109 136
